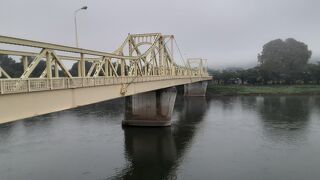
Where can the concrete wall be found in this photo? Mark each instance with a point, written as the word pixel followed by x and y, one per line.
pixel 196 89
pixel 151 108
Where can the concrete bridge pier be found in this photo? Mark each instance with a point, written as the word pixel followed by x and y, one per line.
pixel 196 89
pixel 152 108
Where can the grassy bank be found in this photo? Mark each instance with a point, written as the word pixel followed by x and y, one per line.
pixel 255 90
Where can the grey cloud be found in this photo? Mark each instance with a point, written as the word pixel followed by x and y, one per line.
pixel 226 32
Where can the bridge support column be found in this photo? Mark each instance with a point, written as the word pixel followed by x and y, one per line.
pixel 196 89
pixel 151 108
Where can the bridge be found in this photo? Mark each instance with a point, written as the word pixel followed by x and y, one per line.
pixel 142 70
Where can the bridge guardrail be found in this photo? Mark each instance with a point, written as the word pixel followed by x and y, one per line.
pixel 9 86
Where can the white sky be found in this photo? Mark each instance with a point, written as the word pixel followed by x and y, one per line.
pixel 226 32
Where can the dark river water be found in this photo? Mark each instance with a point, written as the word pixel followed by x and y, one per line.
pixel 252 137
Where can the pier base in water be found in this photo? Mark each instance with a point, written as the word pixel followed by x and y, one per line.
pixel 152 108
pixel 196 89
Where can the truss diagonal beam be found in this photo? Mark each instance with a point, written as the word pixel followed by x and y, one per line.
pixel 64 69
pixel 99 67
pixel 33 64
pixel 4 73
pixel 91 69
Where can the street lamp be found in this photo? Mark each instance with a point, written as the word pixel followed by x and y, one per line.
pixel 75 23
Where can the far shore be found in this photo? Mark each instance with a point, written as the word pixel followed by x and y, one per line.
pixel 233 90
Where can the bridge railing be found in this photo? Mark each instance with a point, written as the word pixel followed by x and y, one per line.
pixel 8 86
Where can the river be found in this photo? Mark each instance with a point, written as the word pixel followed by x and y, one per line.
pixel 243 137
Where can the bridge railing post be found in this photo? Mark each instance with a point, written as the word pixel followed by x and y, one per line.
pixel 82 79
pixel 68 82
pixel 28 82
pixel 63 83
pixel 1 86
pixel 47 82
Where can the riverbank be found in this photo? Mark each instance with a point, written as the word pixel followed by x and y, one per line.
pixel 225 90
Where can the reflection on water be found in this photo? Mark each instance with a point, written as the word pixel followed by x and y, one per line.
pixel 249 137
pixel 154 153
pixel 285 118
pixel 5 132
pixel 150 153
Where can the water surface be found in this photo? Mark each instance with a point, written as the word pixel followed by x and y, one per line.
pixel 250 137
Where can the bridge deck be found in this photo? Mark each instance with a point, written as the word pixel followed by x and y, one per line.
pixel 36 97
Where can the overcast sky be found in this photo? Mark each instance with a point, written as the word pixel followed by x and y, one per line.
pixel 226 32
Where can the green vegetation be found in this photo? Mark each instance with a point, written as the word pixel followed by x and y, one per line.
pixel 221 90
pixel 280 62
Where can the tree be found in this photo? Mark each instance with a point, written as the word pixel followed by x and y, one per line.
pixel 10 66
pixel 313 72
pixel 15 68
pixel 216 74
pixel 252 76
pixel 74 69
pixel 284 60
pixel 228 76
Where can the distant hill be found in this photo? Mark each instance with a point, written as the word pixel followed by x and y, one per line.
pixel 236 65
pixel 314 59
pixel 246 65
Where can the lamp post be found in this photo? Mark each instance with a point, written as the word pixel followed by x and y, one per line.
pixel 75 23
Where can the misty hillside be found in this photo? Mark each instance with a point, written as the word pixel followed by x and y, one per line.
pixel 315 59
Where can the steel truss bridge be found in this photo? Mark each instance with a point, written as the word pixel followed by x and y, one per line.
pixel 143 63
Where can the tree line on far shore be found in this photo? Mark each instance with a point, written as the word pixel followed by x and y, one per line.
pixel 15 68
pixel 280 62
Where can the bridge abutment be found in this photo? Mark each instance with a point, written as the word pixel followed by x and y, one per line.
pixel 196 89
pixel 152 108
